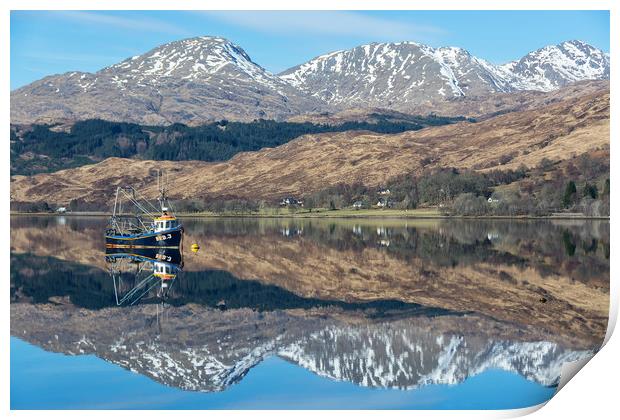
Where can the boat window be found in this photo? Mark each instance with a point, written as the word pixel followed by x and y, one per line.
pixel 168 270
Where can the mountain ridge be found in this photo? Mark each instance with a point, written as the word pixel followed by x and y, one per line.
pixel 208 78
pixel 352 77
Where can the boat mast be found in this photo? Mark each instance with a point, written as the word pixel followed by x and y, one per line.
pixel 115 202
pixel 162 193
pixel 162 186
pixel 115 212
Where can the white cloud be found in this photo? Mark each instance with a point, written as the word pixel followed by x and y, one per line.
pixel 123 22
pixel 330 23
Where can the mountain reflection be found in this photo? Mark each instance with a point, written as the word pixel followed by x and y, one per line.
pixel 387 304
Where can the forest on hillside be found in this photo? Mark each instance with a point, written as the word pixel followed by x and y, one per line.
pixel 580 185
pixel 47 148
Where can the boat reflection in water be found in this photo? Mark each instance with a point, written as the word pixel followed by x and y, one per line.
pixel 364 314
pixel 142 273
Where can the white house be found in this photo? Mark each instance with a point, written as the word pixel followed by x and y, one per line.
pixel 290 201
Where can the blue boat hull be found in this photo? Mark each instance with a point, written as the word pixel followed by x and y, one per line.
pixel 166 239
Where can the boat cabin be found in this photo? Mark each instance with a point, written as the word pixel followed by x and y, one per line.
pixel 165 222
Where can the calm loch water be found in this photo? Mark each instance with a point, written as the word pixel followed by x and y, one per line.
pixel 277 313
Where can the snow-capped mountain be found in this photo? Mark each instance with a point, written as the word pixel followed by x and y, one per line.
pixel 391 74
pixel 192 80
pixel 555 66
pixel 209 78
pixel 203 59
pixel 398 75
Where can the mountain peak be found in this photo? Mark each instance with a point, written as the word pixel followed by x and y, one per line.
pixel 577 42
pixel 191 59
pixel 383 74
pixel 554 66
pixel 195 80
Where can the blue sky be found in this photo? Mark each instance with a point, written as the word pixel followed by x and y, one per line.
pixel 48 42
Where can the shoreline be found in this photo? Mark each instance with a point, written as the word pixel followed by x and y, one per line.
pixel 334 214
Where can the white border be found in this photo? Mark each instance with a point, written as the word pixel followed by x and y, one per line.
pixel 591 394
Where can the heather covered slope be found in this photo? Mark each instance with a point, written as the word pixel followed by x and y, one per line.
pixel 558 131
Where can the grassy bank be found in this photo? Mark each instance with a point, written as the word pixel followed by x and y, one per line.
pixel 321 213
pixel 285 213
pixel 422 213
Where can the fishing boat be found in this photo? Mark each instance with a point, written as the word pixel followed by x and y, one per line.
pixel 137 224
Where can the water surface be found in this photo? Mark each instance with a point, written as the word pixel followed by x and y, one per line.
pixel 277 313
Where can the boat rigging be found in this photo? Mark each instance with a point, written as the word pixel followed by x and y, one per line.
pixel 137 223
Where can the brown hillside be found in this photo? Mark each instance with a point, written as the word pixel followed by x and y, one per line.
pixel 467 106
pixel 313 162
pixel 501 103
